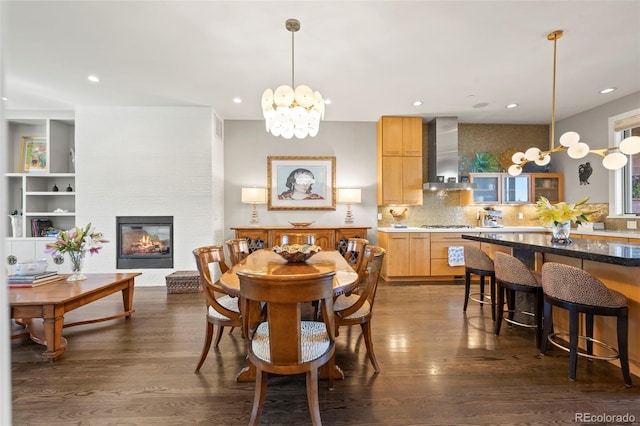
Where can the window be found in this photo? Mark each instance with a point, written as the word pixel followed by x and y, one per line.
pixel 631 175
pixel 624 195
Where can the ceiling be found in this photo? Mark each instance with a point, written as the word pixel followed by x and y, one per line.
pixel 370 58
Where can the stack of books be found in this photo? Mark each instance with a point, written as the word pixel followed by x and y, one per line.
pixel 27 281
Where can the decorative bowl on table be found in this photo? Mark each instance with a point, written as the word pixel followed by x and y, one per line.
pixel 296 253
pixel 300 224
pixel 31 267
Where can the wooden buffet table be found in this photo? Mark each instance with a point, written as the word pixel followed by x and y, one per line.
pixel 51 301
pixel 327 237
pixel 266 262
pixel 616 264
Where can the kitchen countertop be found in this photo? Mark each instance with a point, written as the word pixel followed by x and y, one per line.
pixel 612 252
pixel 460 230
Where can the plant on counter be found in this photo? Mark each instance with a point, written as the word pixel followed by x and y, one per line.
pixel 555 214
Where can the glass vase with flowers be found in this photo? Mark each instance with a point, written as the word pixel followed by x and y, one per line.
pixel 76 242
pixel 559 217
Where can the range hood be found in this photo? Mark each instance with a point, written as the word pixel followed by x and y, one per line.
pixel 442 152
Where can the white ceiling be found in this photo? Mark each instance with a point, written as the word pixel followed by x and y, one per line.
pixel 370 58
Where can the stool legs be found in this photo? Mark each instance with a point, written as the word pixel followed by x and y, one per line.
pixel 623 347
pixel 467 292
pixel 467 289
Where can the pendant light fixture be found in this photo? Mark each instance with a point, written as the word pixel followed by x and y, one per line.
pixel 613 158
pixel 290 112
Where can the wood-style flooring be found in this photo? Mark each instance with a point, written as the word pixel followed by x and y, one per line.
pixel 439 366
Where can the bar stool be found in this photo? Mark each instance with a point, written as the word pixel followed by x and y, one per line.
pixel 479 263
pixel 579 292
pixel 513 275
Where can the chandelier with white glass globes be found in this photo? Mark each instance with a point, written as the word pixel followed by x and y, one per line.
pixel 288 112
pixel 613 158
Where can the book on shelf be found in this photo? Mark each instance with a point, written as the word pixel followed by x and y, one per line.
pixel 32 280
pixel 39 226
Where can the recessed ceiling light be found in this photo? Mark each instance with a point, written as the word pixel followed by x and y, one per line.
pixel 327 101
pixel 512 106
pixel 480 105
pixel 607 90
pixel 94 79
pixel 237 100
pixel 4 99
pixel 417 103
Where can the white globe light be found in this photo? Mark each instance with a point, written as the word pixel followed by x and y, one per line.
pixel 299 116
pixel 518 157
pixel 532 153
pixel 614 161
pixel 543 161
pixel 304 96
pixel 569 139
pixel 283 115
pixel 283 96
pixel 630 145
pixel 515 170
pixel 267 100
pixel 301 132
pixel 578 150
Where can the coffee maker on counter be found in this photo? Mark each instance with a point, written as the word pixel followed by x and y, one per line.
pixel 491 218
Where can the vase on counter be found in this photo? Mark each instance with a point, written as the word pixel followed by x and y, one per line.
pixel 560 232
pixel 77 261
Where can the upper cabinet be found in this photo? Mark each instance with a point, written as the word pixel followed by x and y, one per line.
pixel 400 161
pixel 502 188
pixel 41 179
pixel 548 185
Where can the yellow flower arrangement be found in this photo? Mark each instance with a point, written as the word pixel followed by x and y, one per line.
pixel 554 214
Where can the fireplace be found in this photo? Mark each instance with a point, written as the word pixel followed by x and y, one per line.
pixel 144 242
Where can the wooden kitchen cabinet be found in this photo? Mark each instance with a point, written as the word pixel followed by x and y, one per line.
pixel 419 254
pixel 440 243
pixel 548 185
pixel 502 188
pixel 407 256
pixel 400 161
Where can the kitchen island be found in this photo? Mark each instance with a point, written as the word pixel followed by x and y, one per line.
pixel 616 264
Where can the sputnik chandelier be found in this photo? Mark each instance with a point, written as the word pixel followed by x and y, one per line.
pixel 613 158
pixel 290 112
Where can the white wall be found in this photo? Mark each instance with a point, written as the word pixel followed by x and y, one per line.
pixel 138 161
pixel 593 127
pixel 247 146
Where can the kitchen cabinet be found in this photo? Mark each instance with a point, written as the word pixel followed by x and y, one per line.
pixel 419 254
pixel 407 256
pixel 440 243
pixel 548 185
pixel 327 237
pixel 400 161
pixel 488 188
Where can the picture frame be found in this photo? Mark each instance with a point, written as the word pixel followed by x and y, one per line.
pixel 34 156
pixel 440 179
pixel 464 178
pixel 451 180
pixel 301 183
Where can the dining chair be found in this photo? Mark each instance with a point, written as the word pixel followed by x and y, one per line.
pixel 357 308
pixel 238 249
pixel 222 309
pixel 284 343
pixel 478 262
pixel 579 292
pixel 298 239
pixel 353 252
pixel 513 276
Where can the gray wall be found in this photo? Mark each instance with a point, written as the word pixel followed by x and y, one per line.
pixel 593 127
pixel 247 146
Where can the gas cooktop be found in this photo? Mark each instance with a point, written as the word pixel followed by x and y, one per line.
pixel 448 226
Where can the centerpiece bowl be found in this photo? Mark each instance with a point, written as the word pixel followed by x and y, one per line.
pixel 300 224
pixel 296 253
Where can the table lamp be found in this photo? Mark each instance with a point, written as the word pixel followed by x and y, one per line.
pixel 254 196
pixel 349 196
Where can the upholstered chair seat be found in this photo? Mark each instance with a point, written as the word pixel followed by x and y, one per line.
pixel 479 263
pixel 314 341
pixel 227 302
pixel 580 292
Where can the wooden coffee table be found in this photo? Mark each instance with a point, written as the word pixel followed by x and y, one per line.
pixel 51 301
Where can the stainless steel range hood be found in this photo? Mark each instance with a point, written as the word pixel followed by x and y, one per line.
pixel 443 157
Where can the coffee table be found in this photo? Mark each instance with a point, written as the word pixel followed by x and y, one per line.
pixel 51 301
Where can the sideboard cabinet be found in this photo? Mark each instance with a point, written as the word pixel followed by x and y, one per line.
pixel 327 237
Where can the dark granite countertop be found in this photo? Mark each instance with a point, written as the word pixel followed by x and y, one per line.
pixel 625 254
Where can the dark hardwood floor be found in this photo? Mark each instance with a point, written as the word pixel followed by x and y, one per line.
pixel 438 366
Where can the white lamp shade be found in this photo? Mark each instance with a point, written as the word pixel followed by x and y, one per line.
pixel 349 195
pixel 518 157
pixel 515 170
pixel 543 161
pixel 254 195
pixel 630 145
pixel 614 161
pixel 532 153
pixel 578 150
pixel 569 139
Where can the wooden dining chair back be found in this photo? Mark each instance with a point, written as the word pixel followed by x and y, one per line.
pixel 284 343
pixel 238 250
pixel 222 309
pixel 354 251
pixel 357 308
pixel 297 239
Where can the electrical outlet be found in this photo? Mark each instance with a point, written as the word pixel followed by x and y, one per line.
pixel 379 216
pixel 632 224
pixel 520 215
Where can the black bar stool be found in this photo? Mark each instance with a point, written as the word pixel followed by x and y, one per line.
pixel 479 263
pixel 580 292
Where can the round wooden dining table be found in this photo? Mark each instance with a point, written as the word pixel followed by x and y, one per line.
pixel 266 262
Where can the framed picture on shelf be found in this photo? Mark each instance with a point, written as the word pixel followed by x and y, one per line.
pixel 464 178
pixel 301 183
pixel 33 154
pixel 440 179
pixel 451 180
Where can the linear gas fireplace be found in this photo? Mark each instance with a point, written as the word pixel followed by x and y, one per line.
pixel 144 242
